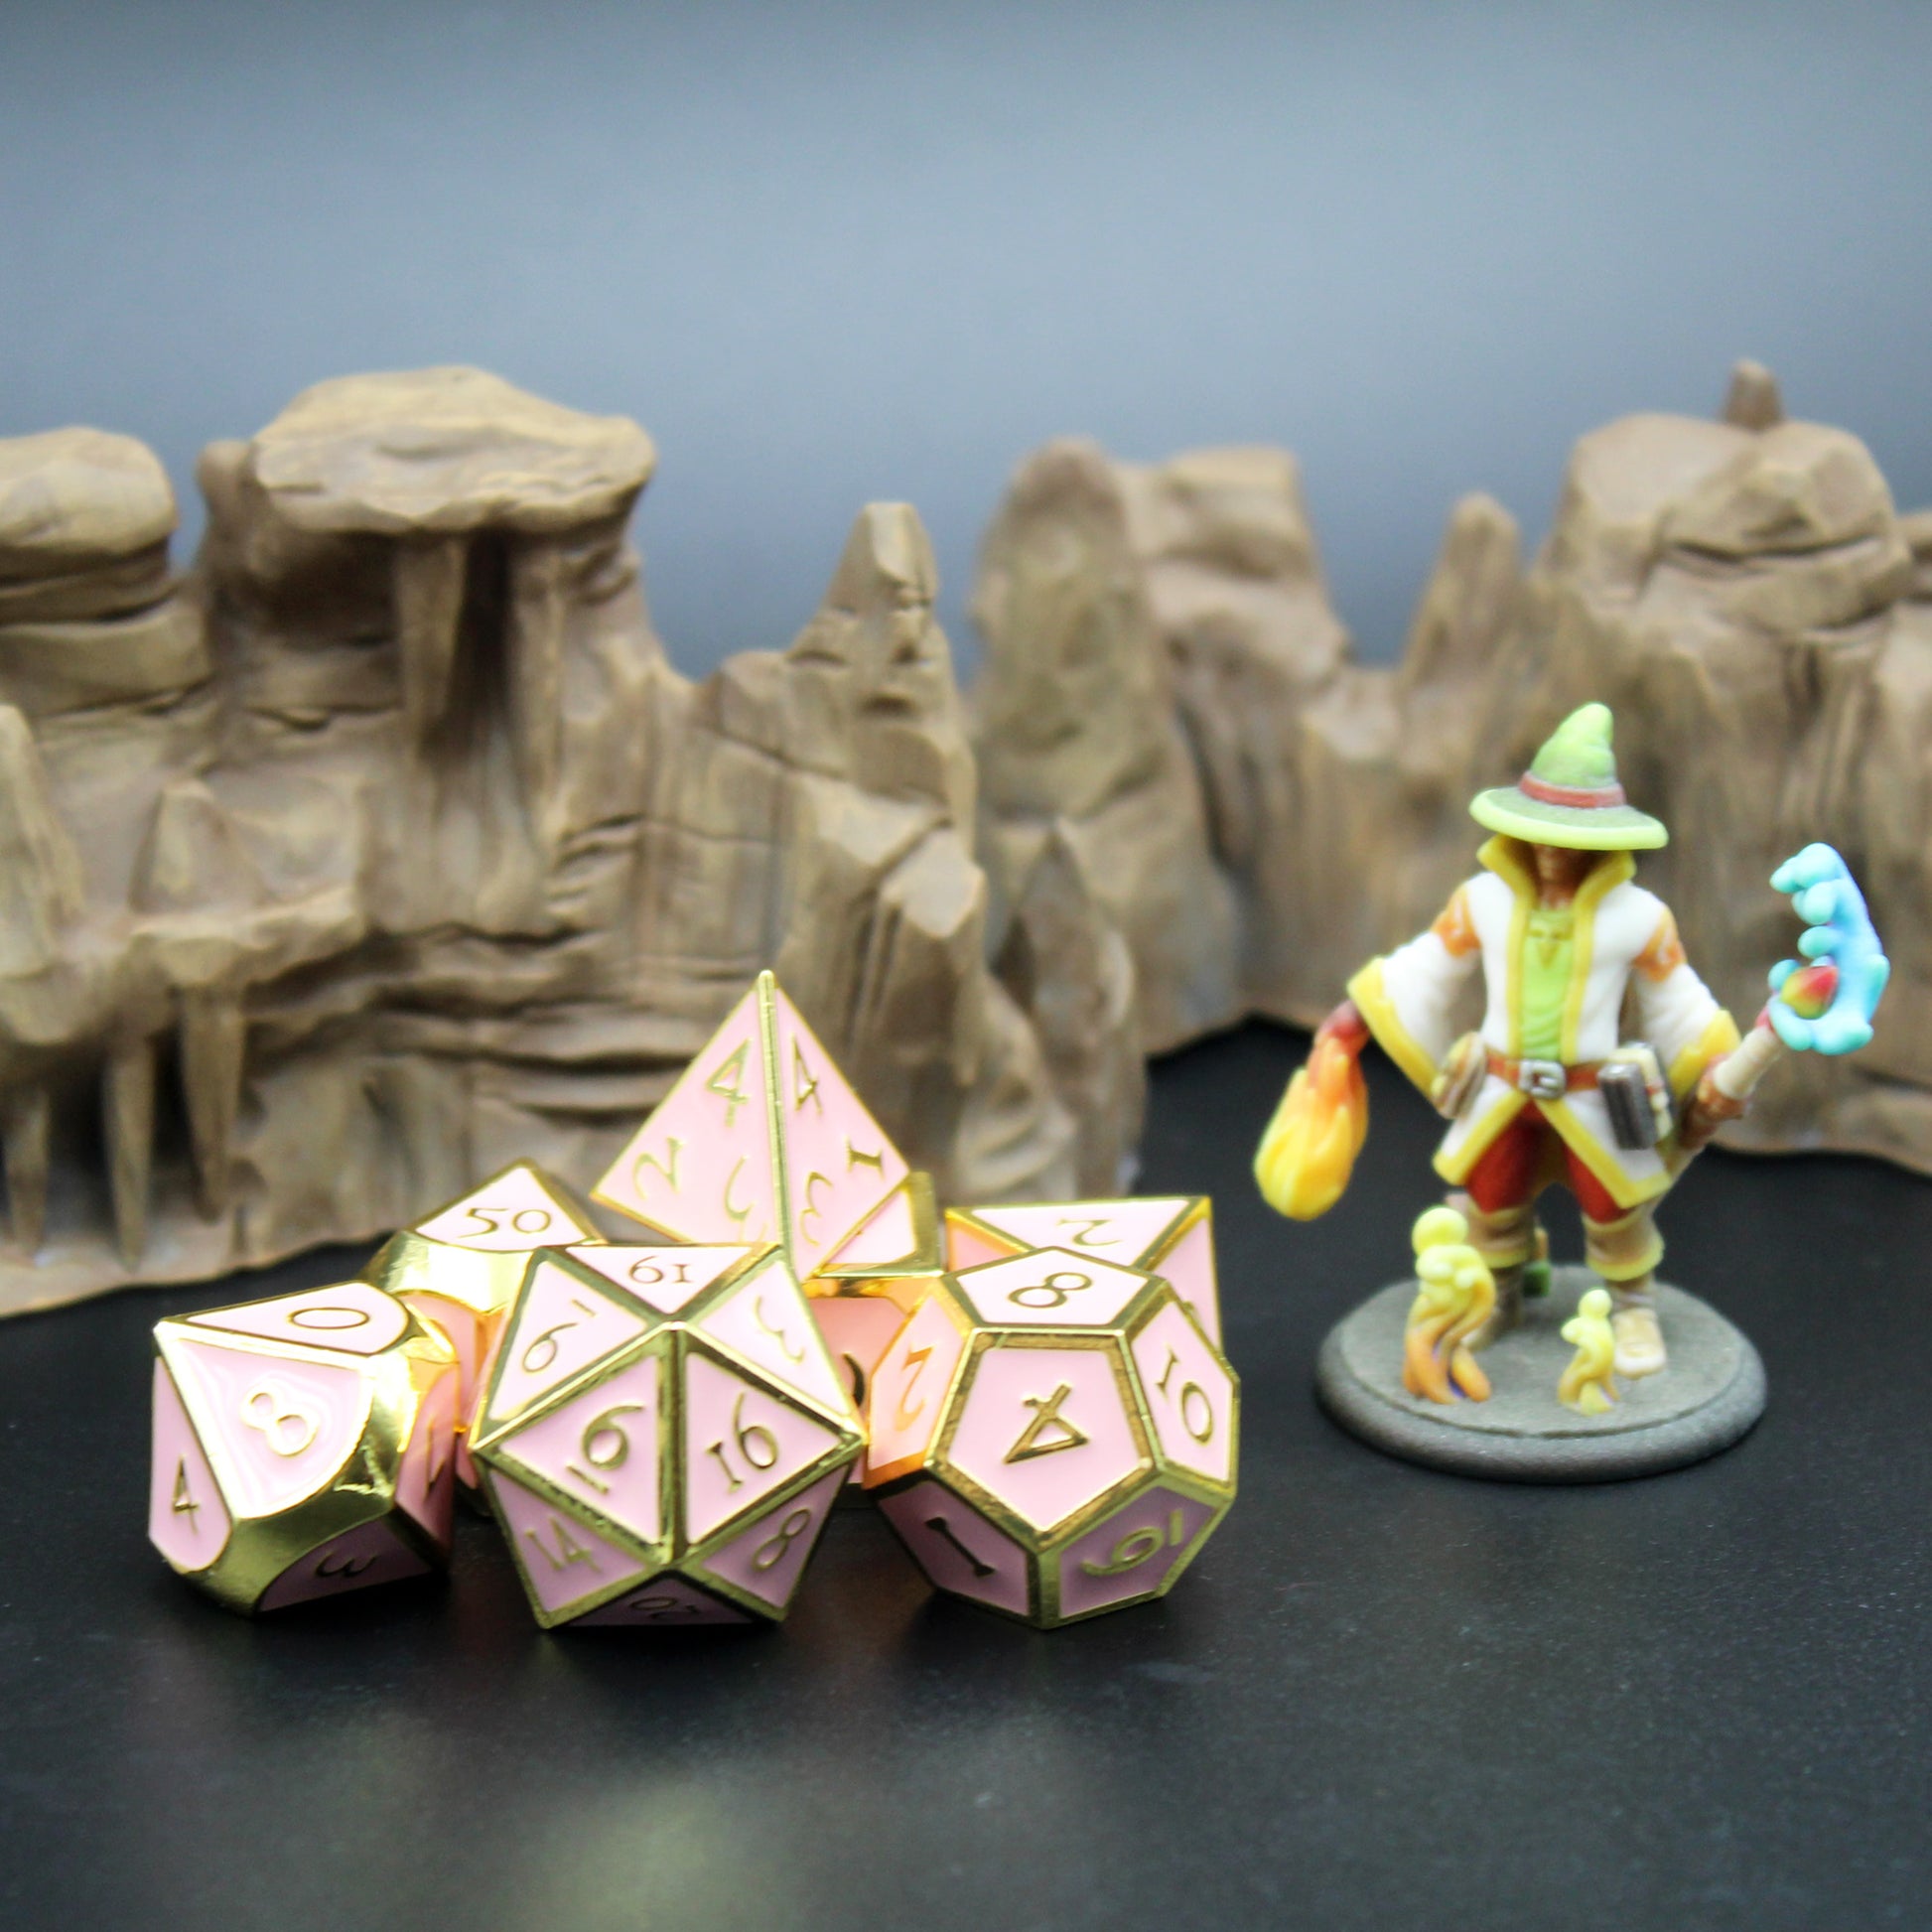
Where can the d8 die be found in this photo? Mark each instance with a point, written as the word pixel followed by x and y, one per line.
pixel 1053 1436
pixel 662 1435
pixel 860 1298
pixel 1170 1236
pixel 302 1446
pixel 461 1266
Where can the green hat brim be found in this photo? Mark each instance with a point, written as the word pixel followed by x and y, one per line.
pixel 1578 828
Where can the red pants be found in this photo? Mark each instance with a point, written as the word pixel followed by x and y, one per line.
pixel 1523 1159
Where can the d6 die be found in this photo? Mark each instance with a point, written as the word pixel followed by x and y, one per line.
pixel 860 1298
pixel 302 1446
pixel 662 1435
pixel 1172 1236
pixel 1053 1436
pixel 461 1266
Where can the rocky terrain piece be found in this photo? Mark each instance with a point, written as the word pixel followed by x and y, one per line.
pixel 389 846
pixel 1742 591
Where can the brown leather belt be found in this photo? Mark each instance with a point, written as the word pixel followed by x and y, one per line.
pixel 1544 1079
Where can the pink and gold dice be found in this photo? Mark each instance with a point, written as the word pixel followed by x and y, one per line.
pixel 461 1267
pixel 1172 1236
pixel 863 1294
pixel 302 1446
pixel 761 1139
pixel 1053 1435
pixel 662 1435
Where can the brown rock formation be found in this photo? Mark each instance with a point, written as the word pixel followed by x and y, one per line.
pixel 389 846
pixel 1741 592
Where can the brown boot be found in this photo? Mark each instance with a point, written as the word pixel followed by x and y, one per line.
pixel 1640 1346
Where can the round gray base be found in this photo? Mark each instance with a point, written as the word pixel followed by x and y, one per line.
pixel 1710 1394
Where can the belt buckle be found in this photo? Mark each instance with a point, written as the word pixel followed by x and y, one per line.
pixel 1542 1079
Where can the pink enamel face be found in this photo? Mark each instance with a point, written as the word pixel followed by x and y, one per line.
pixel 700 1167
pixel 741 1443
pixel 600 1447
pixel 1051 1288
pixel 187 1521
pixel 510 1213
pixel 1045 1429
pixel 889 1235
pixel 857 1330
pixel 664 1279
pixel 767 1560
pixel 1132 1553
pixel 957 1547
pixel 426 1477
pixel 468 1333
pixel 908 1390
pixel 765 1323
pixel 561 1327
pixel 562 1560
pixel 1189 1267
pixel 666 1602
pixel 968 1247
pixel 1120 1231
pixel 281 1426
pixel 1189 1394
pixel 839 1164
pixel 351 1317
pixel 356 1560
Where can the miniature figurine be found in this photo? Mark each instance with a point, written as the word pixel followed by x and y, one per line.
pixel 1548 1089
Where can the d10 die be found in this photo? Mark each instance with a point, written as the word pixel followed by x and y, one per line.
pixel 759 1139
pixel 461 1266
pixel 662 1435
pixel 302 1446
pixel 1053 1436
pixel 861 1295
pixel 1172 1237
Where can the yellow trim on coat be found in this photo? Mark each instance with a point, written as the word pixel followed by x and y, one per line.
pixel 1603 1160
pixel 1395 1040
pixel 1718 1037
pixel 1610 871
pixel 1457 1168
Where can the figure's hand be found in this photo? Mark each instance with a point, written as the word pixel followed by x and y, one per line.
pixel 1826 898
pixel 1346 1027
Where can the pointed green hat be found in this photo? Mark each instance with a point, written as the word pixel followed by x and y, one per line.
pixel 1570 795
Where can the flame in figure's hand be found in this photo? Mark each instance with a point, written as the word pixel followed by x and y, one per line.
pixel 1825 1004
pixel 1309 1151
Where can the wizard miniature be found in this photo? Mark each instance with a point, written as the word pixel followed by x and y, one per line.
pixel 1550 1087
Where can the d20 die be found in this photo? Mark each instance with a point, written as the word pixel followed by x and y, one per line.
pixel 759 1139
pixel 1172 1236
pixel 662 1435
pixel 861 1295
pixel 1053 1436
pixel 302 1446
pixel 460 1267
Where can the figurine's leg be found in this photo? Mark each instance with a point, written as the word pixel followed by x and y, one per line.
pixel 1500 1205
pixel 1624 1253
pixel 1506 1240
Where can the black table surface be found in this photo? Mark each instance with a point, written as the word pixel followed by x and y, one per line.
pixel 1382 1697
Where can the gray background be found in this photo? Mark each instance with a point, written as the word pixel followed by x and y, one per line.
pixel 828 252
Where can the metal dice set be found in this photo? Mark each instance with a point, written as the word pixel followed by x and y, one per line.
pixel 1034 1396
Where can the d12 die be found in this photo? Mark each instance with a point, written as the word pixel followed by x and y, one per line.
pixel 759 1139
pixel 302 1446
pixel 1172 1236
pixel 460 1267
pixel 662 1435
pixel 861 1295
pixel 1053 1436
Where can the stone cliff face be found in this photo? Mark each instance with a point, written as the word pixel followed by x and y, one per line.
pixel 387 846
pixel 1741 592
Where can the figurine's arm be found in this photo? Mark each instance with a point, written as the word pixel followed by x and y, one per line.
pixel 1406 997
pixel 1679 1015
